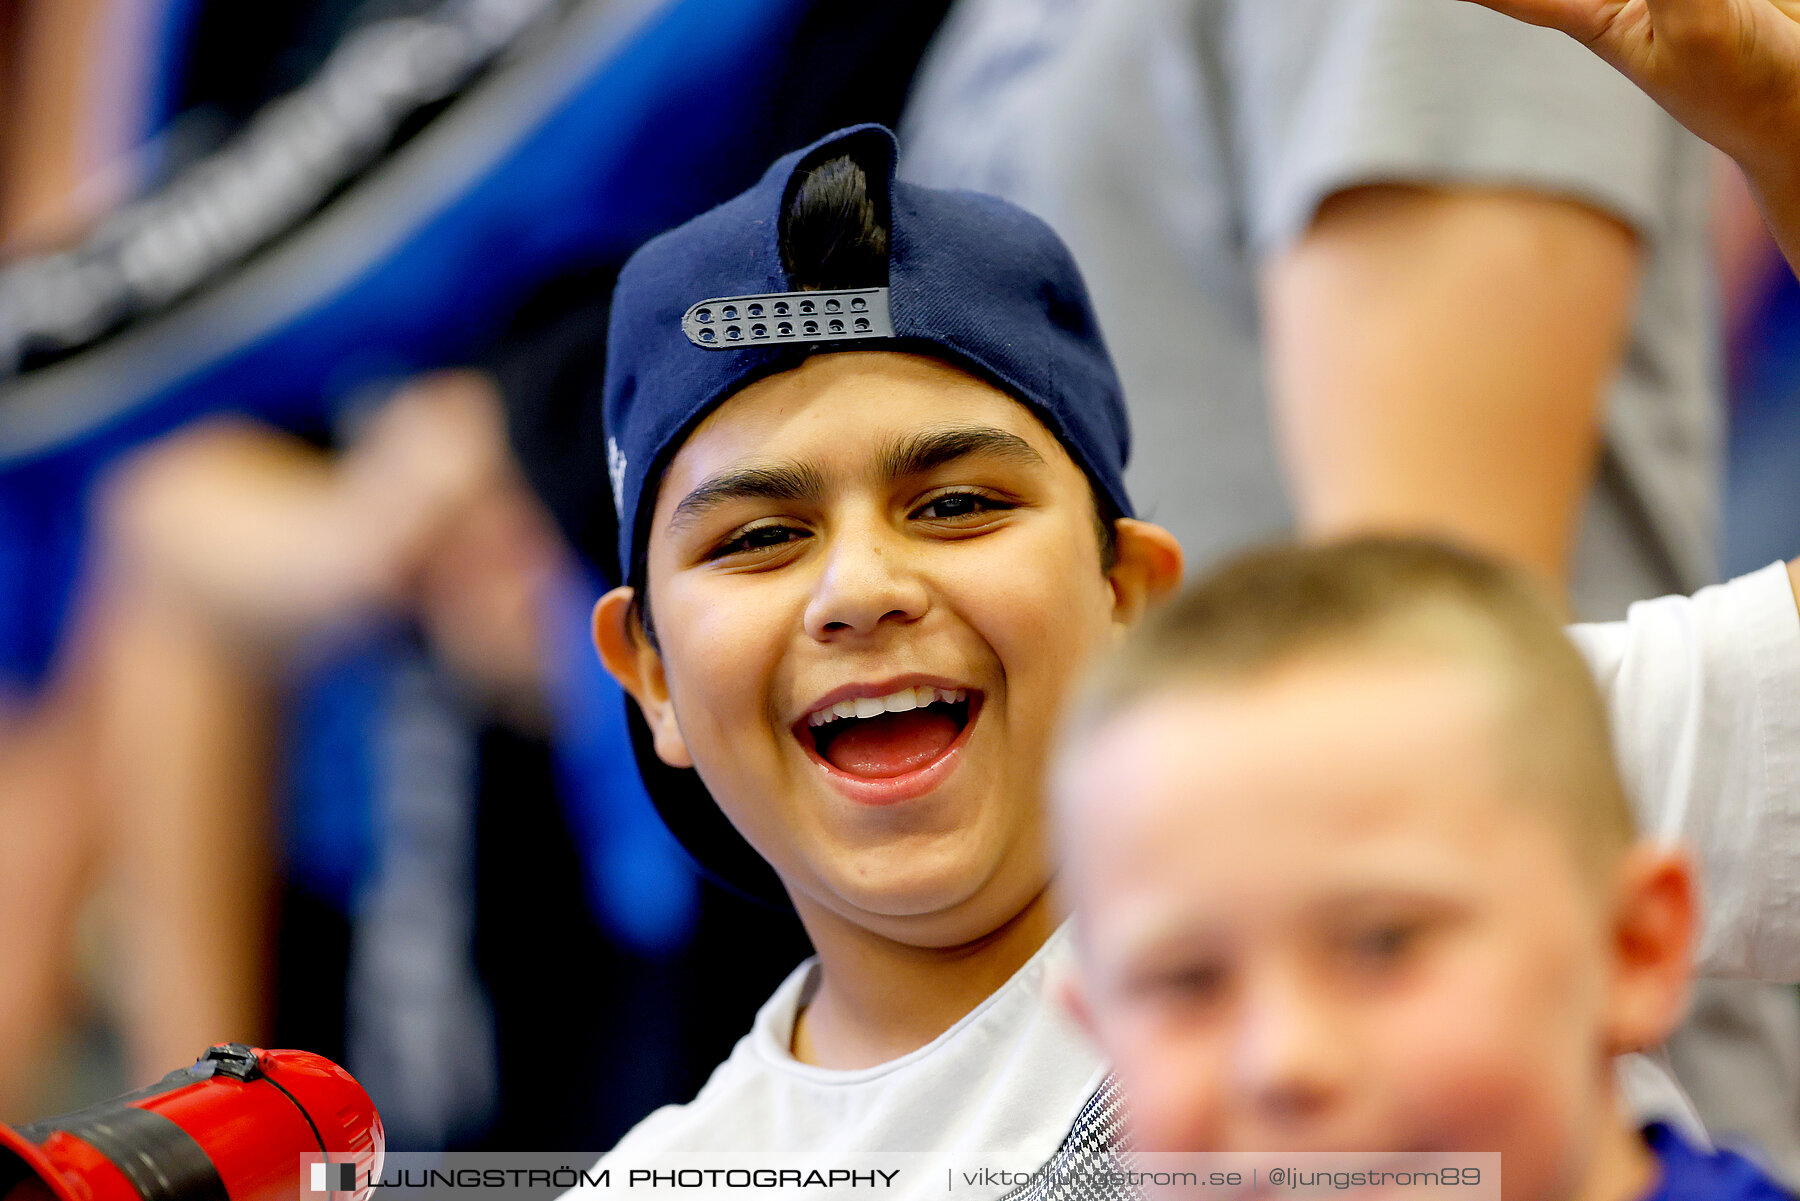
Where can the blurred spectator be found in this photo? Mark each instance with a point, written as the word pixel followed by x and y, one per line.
pixel 353 604
pixel 243 564
pixel 230 549
pixel 1407 263
pixel 88 84
pixel 227 551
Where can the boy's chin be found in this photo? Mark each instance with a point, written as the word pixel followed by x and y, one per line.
pixel 926 909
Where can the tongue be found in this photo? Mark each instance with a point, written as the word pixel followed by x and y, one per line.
pixel 891 744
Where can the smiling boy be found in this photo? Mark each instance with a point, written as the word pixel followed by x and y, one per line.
pixel 863 584
pixel 886 576
pixel 865 570
pixel 1353 870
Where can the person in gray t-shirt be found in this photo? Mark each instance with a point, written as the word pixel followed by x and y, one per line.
pixel 1185 147
pixel 1404 262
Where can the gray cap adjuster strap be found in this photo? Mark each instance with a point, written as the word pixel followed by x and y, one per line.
pixel 778 318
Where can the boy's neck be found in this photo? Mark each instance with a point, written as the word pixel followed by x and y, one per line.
pixel 879 999
pixel 1622 1168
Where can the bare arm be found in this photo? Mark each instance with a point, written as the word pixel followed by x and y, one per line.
pixel 1727 69
pixel 1438 361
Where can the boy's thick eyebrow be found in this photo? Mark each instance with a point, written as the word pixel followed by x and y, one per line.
pixel 914 454
pixel 928 450
pixel 772 481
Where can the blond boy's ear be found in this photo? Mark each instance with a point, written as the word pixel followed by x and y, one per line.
pixel 1146 568
pixel 626 652
pixel 1654 919
pixel 1071 994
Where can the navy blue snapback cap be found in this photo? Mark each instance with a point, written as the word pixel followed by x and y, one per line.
pixel 972 280
pixel 707 308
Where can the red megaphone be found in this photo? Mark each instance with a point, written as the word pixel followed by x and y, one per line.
pixel 237 1126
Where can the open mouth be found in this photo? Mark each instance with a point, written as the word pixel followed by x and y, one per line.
pixel 881 738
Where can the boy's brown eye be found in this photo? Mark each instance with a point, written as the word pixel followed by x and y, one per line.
pixel 954 506
pixel 762 537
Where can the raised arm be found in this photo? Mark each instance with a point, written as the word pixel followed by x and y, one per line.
pixel 1727 69
pixel 1438 361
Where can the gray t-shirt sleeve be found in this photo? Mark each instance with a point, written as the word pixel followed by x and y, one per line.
pixel 1331 94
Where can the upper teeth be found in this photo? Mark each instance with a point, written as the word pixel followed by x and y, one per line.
pixel 895 702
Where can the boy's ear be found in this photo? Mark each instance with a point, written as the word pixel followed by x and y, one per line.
pixel 1071 994
pixel 626 652
pixel 1654 918
pixel 1146 568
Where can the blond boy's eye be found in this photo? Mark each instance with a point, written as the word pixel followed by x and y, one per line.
pixel 1384 943
pixel 1187 983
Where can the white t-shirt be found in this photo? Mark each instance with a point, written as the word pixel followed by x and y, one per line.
pixel 1010 1076
pixel 1704 694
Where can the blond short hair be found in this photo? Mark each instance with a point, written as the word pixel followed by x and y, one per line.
pixel 1392 597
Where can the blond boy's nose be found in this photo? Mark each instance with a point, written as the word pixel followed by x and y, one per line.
pixel 1289 1068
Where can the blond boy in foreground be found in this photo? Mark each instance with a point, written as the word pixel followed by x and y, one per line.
pixel 1353 871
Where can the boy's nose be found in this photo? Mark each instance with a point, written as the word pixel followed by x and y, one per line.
pixel 1290 1060
pixel 865 580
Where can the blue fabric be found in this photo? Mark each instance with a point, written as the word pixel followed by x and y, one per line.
pixel 971 279
pixel 640 885
pixel 171 35
pixel 1762 515
pixel 42 533
pixel 328 823
pixel 1689 1174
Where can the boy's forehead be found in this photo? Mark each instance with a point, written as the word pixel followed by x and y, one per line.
pixel 1262 721
pixel 1204 809
pixel 870 408
pixel 1358 751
